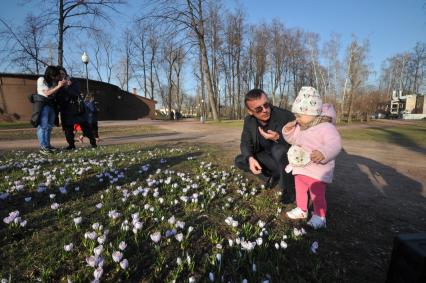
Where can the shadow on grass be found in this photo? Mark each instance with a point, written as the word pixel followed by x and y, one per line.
pixel 403 140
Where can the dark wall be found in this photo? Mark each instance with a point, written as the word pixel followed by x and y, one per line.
pixel 113 103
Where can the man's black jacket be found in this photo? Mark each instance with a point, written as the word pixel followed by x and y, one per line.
pixel 250 136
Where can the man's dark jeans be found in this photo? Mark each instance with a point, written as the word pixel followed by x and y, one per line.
pixel 273 164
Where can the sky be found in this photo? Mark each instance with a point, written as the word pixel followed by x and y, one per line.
pixel 391 26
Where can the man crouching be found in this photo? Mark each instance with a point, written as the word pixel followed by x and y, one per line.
pixel 263 148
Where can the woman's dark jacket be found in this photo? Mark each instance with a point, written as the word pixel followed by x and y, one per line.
pixel 250 136
pixel 71 104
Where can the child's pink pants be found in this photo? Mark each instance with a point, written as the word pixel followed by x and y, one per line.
pixel 316 188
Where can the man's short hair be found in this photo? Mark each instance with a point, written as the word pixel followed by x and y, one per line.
pixel 253 94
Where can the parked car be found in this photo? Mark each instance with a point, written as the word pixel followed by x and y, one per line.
pixel 378 115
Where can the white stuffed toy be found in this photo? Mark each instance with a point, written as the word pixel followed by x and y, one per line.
pixel 297 157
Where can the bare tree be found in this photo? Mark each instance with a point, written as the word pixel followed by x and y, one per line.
pixel 103 51
pixel 277 56
pixel 125 68
pixel 357 73
pixel 417 67
pixel 331 55
pixel 184 16
pixel 25 45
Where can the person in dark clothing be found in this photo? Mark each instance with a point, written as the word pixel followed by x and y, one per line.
pixel 71 107
pixel 91 115
pixel 263 148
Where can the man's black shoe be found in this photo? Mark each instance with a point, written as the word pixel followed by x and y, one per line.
pixel 70 147
pixel 52 148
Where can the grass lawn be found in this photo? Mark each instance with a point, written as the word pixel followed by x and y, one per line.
pixel 15 125
pixel 104 131
pixel 411 135
pixel 147 214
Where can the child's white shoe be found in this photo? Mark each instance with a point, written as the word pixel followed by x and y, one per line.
pixel 297 213
pixel 317 222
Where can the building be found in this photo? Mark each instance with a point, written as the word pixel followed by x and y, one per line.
pixel 410 106
pixel 113 103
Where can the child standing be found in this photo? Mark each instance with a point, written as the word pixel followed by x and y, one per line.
pixel 315 144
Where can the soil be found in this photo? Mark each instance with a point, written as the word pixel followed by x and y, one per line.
pixel 379 191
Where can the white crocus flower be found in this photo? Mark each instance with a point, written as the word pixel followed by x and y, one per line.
pixel 54 206
pixel 117 256
pixel 77 220
pixel 180 224
pixel 124 264
pixel 91 261
pixel 23 223
pixel 155 237
pixel 101 239
pixel 179 237
pixel 98 250
pixel 122 246
pixel 98 273
pixel 283 244
pixel 211 277
pixel 68 247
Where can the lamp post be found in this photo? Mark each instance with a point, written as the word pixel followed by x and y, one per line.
pixel 85 59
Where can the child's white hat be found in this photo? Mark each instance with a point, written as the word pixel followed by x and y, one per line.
pixel 307 102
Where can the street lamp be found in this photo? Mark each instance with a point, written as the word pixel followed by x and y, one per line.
pixel 85 59
pixel 202 111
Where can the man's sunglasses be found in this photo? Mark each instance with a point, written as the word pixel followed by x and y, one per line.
pixel 259 109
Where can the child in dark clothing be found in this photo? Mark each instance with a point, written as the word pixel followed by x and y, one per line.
pixel 92 115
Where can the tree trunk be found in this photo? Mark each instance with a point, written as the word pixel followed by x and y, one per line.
pixel 61 33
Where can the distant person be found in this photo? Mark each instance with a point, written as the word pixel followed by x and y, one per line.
pixel 315 144
pixel 92 115
pixel 263 148
pixel 71 107
pixel 43 116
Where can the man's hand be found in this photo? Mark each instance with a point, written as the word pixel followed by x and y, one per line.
pixel 255 167
pixel 317 156
pixel 269 135
pixel 290 126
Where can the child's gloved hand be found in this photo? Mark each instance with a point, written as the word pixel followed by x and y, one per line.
pixel 317 156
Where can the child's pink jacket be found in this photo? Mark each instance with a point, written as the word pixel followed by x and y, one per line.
pixel 323 137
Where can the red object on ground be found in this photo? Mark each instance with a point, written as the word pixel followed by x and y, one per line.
pixel 77 128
